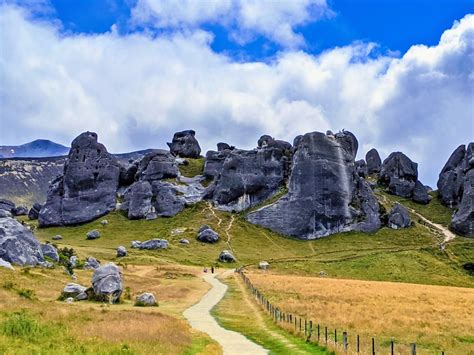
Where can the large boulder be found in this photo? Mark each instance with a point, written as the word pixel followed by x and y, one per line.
pixel 7 205
pixel 167 201
pixel 420 193
pixel 152 244
pixel 157 165
pixel 463 219
pixel 325 195
pixel 137 200
pixel 185 145
pixel 214 162
pixel 146 299
pixel 91 263
pixel 121 251
pixel 87 189
pixel 107 283
pixel 361 168
pixel 374 163
pixel 50 251
pixel 226 257
pixel 17 244
pixel 399 217
pixel 20 211
pixel 73 290
pixel 93 234
pixel 249 177
pixel 400 174
pixel 207 235
pixel 34 211
pixel 6 264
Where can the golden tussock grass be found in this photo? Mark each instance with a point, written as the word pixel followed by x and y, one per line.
pixel 435 317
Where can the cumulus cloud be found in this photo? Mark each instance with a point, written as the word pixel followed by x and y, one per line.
pixel 275 20
pixel 137 90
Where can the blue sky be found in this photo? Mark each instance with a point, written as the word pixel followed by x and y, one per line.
pixel 398 74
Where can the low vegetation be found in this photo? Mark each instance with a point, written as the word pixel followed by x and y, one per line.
pixel 193 167
pixel 436 318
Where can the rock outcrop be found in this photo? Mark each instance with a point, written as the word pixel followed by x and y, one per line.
pixel 17 244
pixel 152 244
pixel 420 193
pixel 146 299
pixel 87 188
pixel 456 188
pixel 121 251
pixel 76 291
pixel 33 213
pixel 207 235
pixel 50 251
pixel 399 217
pixel 107 283
pixel 325 194
pixel 185 145
pixel 374 163
pixel 137 200
pixel 226 257
pixel 7 205
pixel 361 168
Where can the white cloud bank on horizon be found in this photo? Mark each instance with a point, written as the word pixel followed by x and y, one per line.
pixel 136 90
pixel 245 19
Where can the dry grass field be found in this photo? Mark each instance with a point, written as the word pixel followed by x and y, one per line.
pixel 32 320
pixel 435 317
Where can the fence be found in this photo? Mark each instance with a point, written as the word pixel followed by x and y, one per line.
pixel 323 335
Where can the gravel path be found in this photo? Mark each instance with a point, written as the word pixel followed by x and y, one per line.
pixel 200 318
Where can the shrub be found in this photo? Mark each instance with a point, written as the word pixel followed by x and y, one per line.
pixel 26 293
pixel 20 324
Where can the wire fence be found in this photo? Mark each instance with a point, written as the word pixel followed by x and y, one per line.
pixel 332 338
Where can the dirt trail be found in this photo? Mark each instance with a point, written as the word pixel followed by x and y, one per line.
pixel 200 318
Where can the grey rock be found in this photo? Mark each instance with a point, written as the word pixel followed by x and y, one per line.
pixel 151 215
pixel 69 300
pixel 400 174
pixel 226 257
pixel 91 263
pixel 361 168
pixel 7 205
pixel 249 177
pixel 93 234
pixel 136 244
pixel 398 217
pixel 104 222
pixel 156 165
pixel 73 261
pixel 263 265
pixel 297 141
pixel 224 146
pixel 121 251
pixel 6 264
pixel 191 189
pixel 73 290
pixel 17 244
pixel 146 299
pixel 325 195
pixel 50 251
pixel 463 219
pixel 107 283
pixel 185 144
pixel 82 296
pixel 184 241
pixel 167 202
pixel 5 214
pixel 207 235
pixel 374 163
pixel 87 189
pixel 214 162
pixel 45 265
pixel 33 213
pixel 154 244
pixel 137 200
pixel 420 193
pixel 20 211
pixel 57 237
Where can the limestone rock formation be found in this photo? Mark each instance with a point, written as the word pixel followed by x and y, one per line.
pixel 361 168
pixel 398 217
pixel 146 299
pixel 50 251
pixel 167 202
pixel 107 283
pixel 325 194
pixel 152 244
pixel 137 200
pixel 20 211
pixel 214 162
pixel 121 251
pixel 6 264
pixel 207 235
pixel 33 213
pixel 400 174
pixel 17 244
pixel 420 193
pixel 91 263
pixel 7 205
pixel 374 163
pixel 156 165
pixel 93 234
pixel 463 218
pixel 87 189
pixel 226 257
pixel 185 145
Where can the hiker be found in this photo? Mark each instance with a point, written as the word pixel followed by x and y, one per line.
pixel 212 269
pixel 205 269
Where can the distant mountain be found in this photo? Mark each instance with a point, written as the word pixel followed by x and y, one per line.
pixel 37 149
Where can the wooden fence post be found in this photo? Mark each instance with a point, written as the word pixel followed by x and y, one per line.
pixel 326 333
pixel 318 333
pixel 413 349
pixel 358 343
pixel 391 347
pixel 373 346
pixel 344 341
pixel 335 336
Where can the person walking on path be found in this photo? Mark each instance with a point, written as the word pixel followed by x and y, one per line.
pixel 212 269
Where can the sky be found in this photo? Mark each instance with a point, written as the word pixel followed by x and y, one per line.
pixel 398 74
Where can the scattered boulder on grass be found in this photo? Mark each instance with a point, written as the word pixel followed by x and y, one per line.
pixel 91 263
pixel 154 244
pixel 73 261
pixel 263 265
pixel 93 234
pixel 34 211
pixel 207 235
pixel 107 283
pixel 50 251
pixel 184 241
pixel 398 217
pixel 75 291
pixel 20 211
pixel 57 237
pixel 226 257
pixel 136 244
pixel 17 244
pixel 146 299
pixel 104 222
pixel 121 251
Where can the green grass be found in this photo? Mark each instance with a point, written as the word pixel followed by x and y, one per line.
pixel 193 168
pixel 235 314
pixel 408 255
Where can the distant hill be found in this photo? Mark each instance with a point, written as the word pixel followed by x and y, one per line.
pixel 36 149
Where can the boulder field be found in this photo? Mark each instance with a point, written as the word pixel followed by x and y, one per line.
pixel 321 188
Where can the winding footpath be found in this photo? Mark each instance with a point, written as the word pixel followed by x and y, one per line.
pixel 200 318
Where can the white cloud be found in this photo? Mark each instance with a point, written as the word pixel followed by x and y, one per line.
pixel 136 91
pixel 275 20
